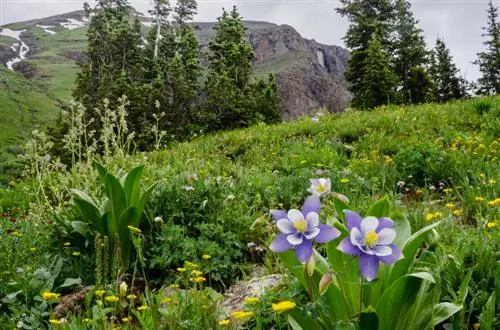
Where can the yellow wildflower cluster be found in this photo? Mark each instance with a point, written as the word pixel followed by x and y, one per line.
pixel 100 292
pixel 432 216
pixel 198 279
pixel 206 257
pixel 479 199
pixel 495 202
pixel 344 180
pixel 491 225
pixel 242 315
pixel 50 295
pixel 196 273
pixel 54 322
pixel 251 300
pixel 112 299
pixel 142 308
pixel 224 322
pixel 283 306
pixel 189 265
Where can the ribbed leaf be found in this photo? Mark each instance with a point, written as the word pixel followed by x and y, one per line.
pixel 487 316
pixel 409 251
pixel 102 172
pixel 132 186
pixel 126 218
pixel 299 320
pixel 117 200
pixel 89 210
pixel 381 208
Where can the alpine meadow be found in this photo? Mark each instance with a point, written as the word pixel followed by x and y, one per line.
pixel 157 172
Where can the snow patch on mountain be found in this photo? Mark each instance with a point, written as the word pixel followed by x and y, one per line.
pixel 46 28
pixel 72 23
pixel 19 47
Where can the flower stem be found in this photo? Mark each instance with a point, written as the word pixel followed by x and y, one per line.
pixel 361 297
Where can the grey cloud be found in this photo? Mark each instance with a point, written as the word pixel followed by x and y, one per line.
pixel 458 22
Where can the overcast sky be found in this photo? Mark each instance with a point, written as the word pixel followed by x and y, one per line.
pixel 459 22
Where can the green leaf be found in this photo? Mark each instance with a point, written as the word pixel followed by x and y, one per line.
pixel 487 316
pixel 117 200
pixel 381 208
pixel 409 251
pixel 340 206
pixel 80 227
pixel 299 319
pixel 68 282
pixel 144 199
pixel 444 311
pixel 368 321
pixel 127 217
pixel 90 212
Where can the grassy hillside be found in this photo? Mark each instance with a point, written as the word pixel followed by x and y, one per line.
pixel 435 162
pixel 25 106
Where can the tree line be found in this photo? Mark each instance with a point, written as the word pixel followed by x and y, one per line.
pixel 390 62
pixel 171 85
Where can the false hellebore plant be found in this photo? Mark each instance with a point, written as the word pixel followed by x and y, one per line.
pixel 378 246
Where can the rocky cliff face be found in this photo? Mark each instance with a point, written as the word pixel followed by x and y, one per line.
pixel 310 75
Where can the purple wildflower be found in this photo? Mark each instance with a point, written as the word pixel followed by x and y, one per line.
pixel 300 228
pixel 370 239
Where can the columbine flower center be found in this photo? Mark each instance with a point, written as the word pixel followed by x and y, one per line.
pixel 371 238
pixel 301 225
pixel 321 187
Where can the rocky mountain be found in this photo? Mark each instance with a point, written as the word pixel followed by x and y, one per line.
pixel 310 74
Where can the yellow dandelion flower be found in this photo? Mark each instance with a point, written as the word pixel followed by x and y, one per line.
pixel 54 322
pixel 100 292
pixel 344 180
pixel 451 206
pixel 242 315
pixel 196 273
pixel 166 300
pixel 251 300
pixel 131 296
pixel 491 225
pixel 458 212
pixel 495 202
pixel 47 295
pixel 181 269
pixel 492 181
pixel 86 320
pixel 419 192
pixel 142 308
pixel 283 306
pixel 429 217
pixel 447 190
pixel 67 244
pixel 33 250
pixel 479 199
pixel 174 286
pixel 224 322
pixel 198 279
pixel 206 257
pixel 75 254
pixel 112 299
pixel 388 159
pixel 134 229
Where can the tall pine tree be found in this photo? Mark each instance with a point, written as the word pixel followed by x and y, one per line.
pixel 444 74
pixel 489 59
pixel 370 24
pixel 409 54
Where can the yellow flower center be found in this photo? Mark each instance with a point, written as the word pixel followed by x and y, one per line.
pixel 301 225
pixel 371 238
pixel 321 187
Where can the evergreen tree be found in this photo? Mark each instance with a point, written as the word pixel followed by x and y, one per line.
pixel 232 98
pixel 370 24
pixel 409 55
pixel 185 10
pixel 489 59
pixel 444 74
pixel 379 81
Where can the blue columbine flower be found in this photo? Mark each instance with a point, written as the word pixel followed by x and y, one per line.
pixel 370 239
pixel 300 228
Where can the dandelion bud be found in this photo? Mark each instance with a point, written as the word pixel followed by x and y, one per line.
pixel 310 266
pixel 325 282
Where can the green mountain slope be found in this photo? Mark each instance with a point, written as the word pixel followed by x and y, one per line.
pixel 24 106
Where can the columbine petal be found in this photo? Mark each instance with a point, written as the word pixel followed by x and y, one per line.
pixel 327 233
pixel 295 216
pixel 312 233
pixel 279 214
pixel 304 251
pixel 312 220
pixel 352 220
pixel 385 223
pixel 369 224
pixel 393 257
pixel 368 266
pixel 295 239
pixel 386 236
pixel 314 182
pixel 347 247
pixel 285 226
pixel 311 204
pixel 382 250
pixel 280 244
pixel 356 238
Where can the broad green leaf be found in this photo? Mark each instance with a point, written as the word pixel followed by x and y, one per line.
pixel 409 251
pixel 132 186
pixel 368 321
pixel 117 200
pixel 127 217
pixel 70 282
pixel 81 227
pixel 90 212
pixel 144 200
pixel 403 231
pixel 394 307
pixel 444 311
pixel 340 206
pixel 103 172
pixel 381 208
pixel 300 320
pixel 487 316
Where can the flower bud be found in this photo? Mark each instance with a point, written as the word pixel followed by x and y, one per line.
pixel 123 288
pixel 343 198
pixel 325 282
pixel 310 266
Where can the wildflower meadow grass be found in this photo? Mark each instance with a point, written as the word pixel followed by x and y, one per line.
pixel 386 219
